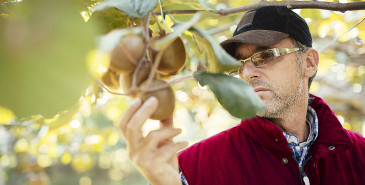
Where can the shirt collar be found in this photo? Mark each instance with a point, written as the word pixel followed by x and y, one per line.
pixel 312 122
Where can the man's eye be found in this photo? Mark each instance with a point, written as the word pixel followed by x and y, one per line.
pixel 266 55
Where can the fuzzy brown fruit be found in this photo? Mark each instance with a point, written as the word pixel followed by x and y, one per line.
pixel 165 97
pixel 163 76
pixel 110 79
pixel 173 58
pixel 130 47
pixel 142 75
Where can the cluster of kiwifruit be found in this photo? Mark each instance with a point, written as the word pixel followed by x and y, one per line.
pixel 124 60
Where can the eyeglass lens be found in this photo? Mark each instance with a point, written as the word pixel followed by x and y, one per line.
pixel 262 58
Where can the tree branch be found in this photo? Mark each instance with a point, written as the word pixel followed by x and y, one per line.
pixel 152 89
pixel 342 7
pixel 223 28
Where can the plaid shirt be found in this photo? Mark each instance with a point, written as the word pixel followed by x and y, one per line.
pixel 300 150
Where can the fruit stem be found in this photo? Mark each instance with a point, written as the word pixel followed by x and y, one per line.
pixel 154 67
pixel 145 30
pixel 132 22
pixel 147 41
pixel 156 88
pixel 112 92
pixel 140 62
pixel 158 23
pixel 161 11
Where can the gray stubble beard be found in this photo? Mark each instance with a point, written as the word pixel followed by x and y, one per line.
pixel 279 107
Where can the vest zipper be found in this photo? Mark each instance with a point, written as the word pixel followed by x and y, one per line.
pixel 303 175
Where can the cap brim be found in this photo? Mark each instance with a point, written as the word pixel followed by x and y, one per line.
pixel 257 37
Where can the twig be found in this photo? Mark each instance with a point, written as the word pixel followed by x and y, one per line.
pixel 112 92
pixel 335 39
pixel 156 63
pixel 342 7
pixel 156 88
pixel 163 19
pixel 223 28
pixel 158 23
pixel 135 72
pixel 131 21
pixel 145 25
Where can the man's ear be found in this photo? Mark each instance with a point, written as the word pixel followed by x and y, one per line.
pixel 311 62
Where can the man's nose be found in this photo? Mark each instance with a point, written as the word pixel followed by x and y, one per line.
pixel 249 71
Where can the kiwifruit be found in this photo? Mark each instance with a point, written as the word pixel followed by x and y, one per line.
pixel 110 79
pixel 142 75
pixel 164 76
pixel 120 62
pixel 173 58
pixel 165 97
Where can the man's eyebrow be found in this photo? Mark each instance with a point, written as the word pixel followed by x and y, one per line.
pixel 239 55
pixel 262 48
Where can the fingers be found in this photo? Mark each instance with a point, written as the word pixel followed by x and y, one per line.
pixel 157 137
pixel 134 126
pixel 155 144
pixel 156 150
pixel 168 151
pixel 128 114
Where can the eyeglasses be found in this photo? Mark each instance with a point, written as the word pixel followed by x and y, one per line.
pixel 262 58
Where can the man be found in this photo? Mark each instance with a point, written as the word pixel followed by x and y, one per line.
pixel 297 140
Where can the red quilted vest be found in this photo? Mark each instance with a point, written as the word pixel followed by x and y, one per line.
pixel 255 152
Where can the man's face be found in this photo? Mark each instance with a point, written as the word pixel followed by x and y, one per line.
pixel 279 84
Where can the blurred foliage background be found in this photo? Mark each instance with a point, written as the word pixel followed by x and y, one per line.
pixel 82 144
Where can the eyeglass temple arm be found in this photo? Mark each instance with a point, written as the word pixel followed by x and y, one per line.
pixel 284 51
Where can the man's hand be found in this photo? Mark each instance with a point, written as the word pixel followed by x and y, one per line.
pixel 156 154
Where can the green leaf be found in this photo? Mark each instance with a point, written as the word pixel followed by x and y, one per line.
pixel 236 96
pixel 178 29
pixel 110 19
pixel 42 53
pixel 218 59
pixel 181 5
pixel 133 8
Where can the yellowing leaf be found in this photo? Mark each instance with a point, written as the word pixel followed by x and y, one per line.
pixel 178 29
pixel 218 59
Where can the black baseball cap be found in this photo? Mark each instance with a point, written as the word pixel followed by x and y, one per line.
pixel 268 25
